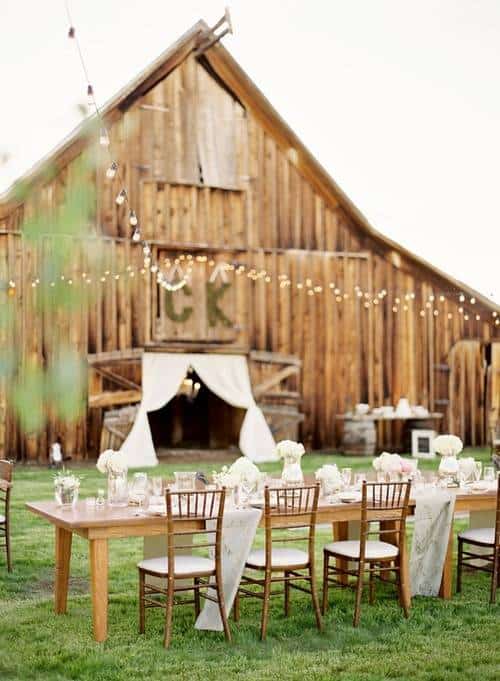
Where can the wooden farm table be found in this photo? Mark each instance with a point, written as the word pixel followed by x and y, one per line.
pixel 98 526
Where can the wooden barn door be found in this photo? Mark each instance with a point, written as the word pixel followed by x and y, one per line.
pixel 467 391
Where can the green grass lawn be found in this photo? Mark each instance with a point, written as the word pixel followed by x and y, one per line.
pixel 442 640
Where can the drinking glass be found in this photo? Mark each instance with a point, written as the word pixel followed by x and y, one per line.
pixel 359 479
pixel 346 474
pixel 157 486
pixel 139 485
pixel 478 469
pixel 489 474
pixel 185 481
pixel 101 499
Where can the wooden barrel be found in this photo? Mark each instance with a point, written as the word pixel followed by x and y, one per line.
pixel 359 438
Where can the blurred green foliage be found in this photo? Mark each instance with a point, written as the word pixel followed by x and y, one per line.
pixel 61 232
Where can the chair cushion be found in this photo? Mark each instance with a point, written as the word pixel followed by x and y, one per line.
pixel 2 518
pixel 481 535
pixel 374 549
pixel 279 558
pixel 184 565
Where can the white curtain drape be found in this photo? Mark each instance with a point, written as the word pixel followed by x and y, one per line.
pixel 225 375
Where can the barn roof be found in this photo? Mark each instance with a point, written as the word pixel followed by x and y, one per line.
pixel 220 62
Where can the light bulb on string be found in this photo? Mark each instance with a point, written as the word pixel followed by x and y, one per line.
pixel 136 236
pixel 71 32
pixel 133 218
pixel 121 196
pixel 146 249
pixel 103 138
pixel 112 170
pixel 90 97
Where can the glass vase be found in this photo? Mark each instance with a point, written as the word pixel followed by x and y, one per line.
pixel 117 489
pixel 66 496
pixel 292 471
pixel 448 470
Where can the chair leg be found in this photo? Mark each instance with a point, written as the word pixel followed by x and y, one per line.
pixel 459 566
pixel 326 562
pixel 287 594
pixel 401 589
pixel 142 609
pixel 495 576
pixel 359 593
pixel 314 597
pixel 196 594
pixel 169 611
pixel 7 547
pixel 236 607
pixel 371 592
pixel 222 610
pixel 265 606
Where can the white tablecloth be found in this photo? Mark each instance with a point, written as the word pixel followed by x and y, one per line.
pixel 238 533
pixel 433 519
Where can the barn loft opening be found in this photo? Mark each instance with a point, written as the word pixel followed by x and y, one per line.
pixel 196 419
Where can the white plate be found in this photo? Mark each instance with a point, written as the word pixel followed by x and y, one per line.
pixel 349 498
pixel 158 511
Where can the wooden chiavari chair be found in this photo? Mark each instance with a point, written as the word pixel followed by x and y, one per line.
pixel 206 508
pixel 386 506
pixel 485 538
pixel 285 509
pixel 6 468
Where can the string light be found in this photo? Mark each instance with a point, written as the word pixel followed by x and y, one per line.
pixel 136 236
pixel 103 138
pixel 90 96
pixel 112 170
pixel 121 196
pixel 133 218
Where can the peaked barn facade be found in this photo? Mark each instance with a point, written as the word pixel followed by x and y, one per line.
pixel 280 267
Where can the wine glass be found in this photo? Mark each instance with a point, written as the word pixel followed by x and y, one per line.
pixel 346 474
pixel 359 479
pixel 157 486
pixel 489 474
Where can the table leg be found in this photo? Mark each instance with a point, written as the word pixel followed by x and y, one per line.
pixel 392 537
pixel 445 590
pixel 98 554
pixel 341 533
pixel 404 567
pixel 63 556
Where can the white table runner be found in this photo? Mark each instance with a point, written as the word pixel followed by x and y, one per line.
pixel 238 533
pixel 433 519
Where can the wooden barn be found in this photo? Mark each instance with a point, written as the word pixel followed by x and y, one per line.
pixel 265 256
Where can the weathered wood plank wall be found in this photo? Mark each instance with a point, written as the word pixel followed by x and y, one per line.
pixel 206 176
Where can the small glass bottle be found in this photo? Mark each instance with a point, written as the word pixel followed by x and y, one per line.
pixel 100 502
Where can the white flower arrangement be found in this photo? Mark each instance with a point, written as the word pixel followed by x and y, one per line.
pixel 111 461
pixel 245 469
pixel 329 473
pixel 242 470
pixel 225 478
pixel 448 445
pixel 289 448
pixel 66 480
pixel 393 463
